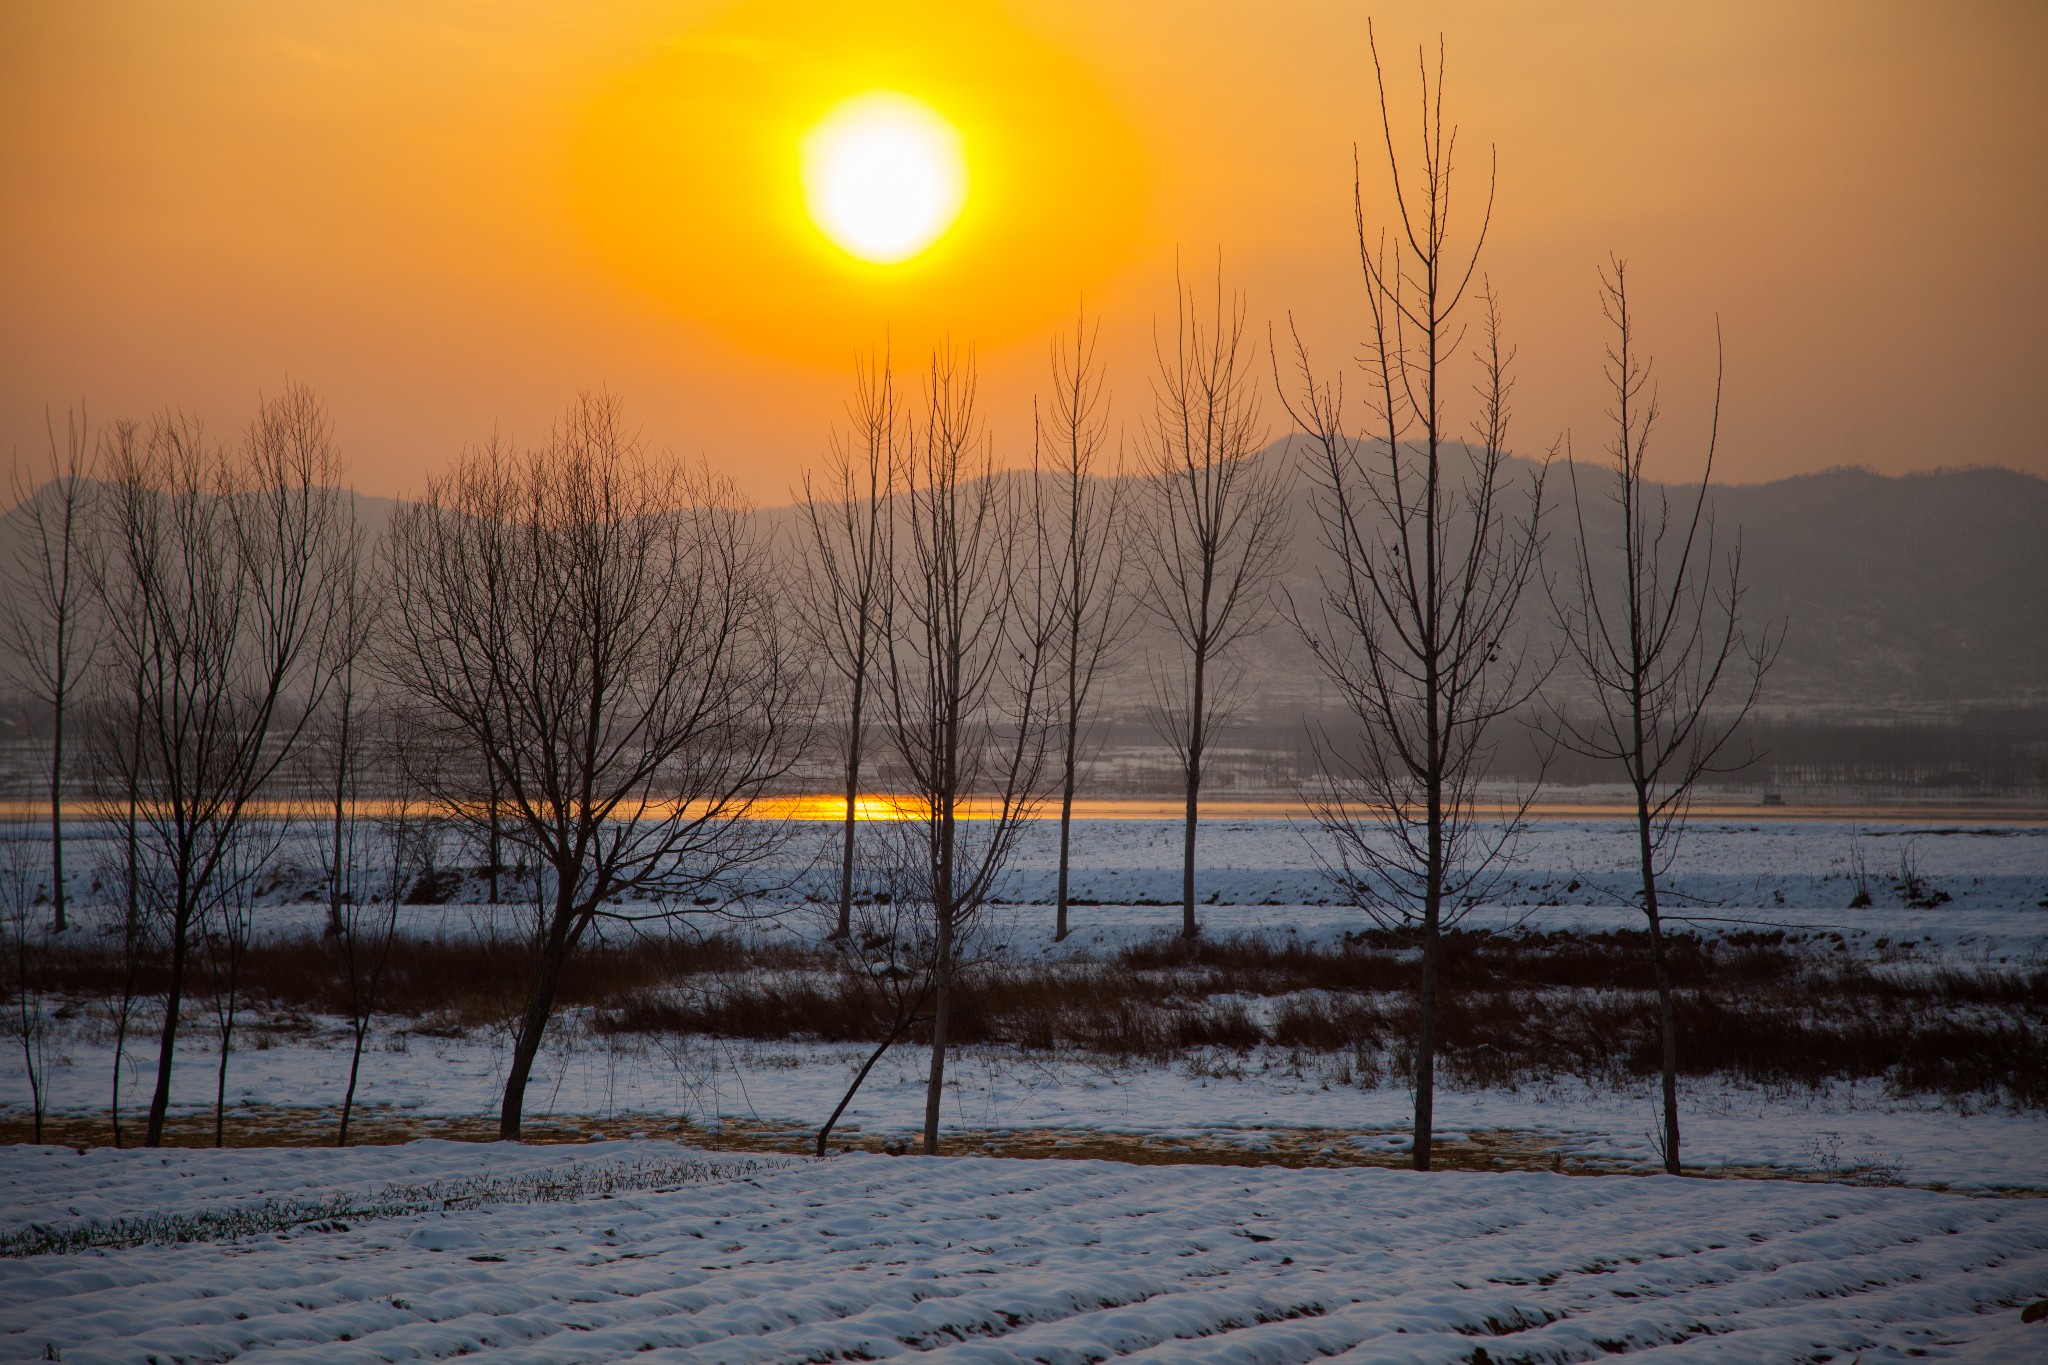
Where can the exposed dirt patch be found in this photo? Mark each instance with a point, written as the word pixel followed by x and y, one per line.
pixel 1327 1148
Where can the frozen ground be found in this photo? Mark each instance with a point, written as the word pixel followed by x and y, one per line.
pixel 1248 1102
pixel 969 1259
pixel 1795 876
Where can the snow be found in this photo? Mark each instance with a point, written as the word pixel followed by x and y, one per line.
pixel 1260 875
pixel 653 1249
pixel 1246 1103
pixel 967 1259
pixel 57 1186
pixel 1995 876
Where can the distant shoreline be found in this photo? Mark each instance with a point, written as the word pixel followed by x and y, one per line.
pixel 827 808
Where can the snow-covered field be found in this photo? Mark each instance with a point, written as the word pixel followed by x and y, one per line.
pixel 1261 874
pixel 1796 876
pixel 972 1259
pixel 604 1250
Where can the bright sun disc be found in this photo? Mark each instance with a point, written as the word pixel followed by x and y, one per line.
pixel 884 175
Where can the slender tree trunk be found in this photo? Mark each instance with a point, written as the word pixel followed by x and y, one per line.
pixel 1425 1036
pixel 1433 887
pixel 853 757
pixel 493 854
pixel 1067 767
pixel 131 924
pixel 231 938
pixel 1066 837
pixel 1667 1015
pixel 363 1002
pixel 134 793
pixel 220 1080
pixel 29 1011
pixel 942 1003
pixel 120 1055
pixel 902 1027
pixel 334 925
pixel 28 1060
pixel 533 1022
pixel 355 1064
pixel 57 922
pixel 1432 942
pixel 944 905
pixel 167 1049
pixel 130 968
pixel 1197 738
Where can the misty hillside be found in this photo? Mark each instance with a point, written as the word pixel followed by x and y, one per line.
pixel 1926 591
pixel 1922 588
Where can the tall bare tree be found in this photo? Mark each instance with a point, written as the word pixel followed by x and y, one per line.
pixel 1089 516
pixel 339 750
pixel 891 963
pixel 968 667
pixel 23 966
pixel 49 638
pixel 358 750
pixel 216 600
pixel 1214 531
pixel 1657 637
pixel 1429 568
pixel 625 677
pixel 226 929
pixel 369 927
pixel 847 573
pixel 114 739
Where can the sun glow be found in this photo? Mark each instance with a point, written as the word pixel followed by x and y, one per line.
pixel 721 178
pixel 884 176
pixel 868 807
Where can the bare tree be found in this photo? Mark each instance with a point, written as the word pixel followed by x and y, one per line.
pixel 891 959
pixel 1428 571
pixel 216 598
pixel 1092 611
pixel 338 753
pixel 368 929
pixel 1657 637
pixel 49 639
pixel 968 666
pixel 114 737
pixel 603 627
pixel 226 928
pixel 24 981
pixel 352 749
pixel 1214 530
pixel 847 573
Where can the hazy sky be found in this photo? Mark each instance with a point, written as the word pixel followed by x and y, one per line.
pixel 450 215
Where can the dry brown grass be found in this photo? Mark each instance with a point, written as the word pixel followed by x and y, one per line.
pixel 1518 1009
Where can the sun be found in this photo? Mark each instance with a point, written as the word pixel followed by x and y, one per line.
pixel 884 176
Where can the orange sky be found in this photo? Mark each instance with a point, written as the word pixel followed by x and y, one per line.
pixel 450 214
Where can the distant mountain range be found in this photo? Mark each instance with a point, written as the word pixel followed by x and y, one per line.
pixel 1910 595
pixel 1903 595
pixel 1898 594
pixel 1925 588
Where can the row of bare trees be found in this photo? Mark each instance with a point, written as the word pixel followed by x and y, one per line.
pixel 968 617
pixel 1431 551
pixel 1430 567
pixel 600 628
pixel 1187 537
pixel 578 650
pixel 596 626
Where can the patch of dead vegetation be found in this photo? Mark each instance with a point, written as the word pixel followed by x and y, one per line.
pixel 1518 1009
